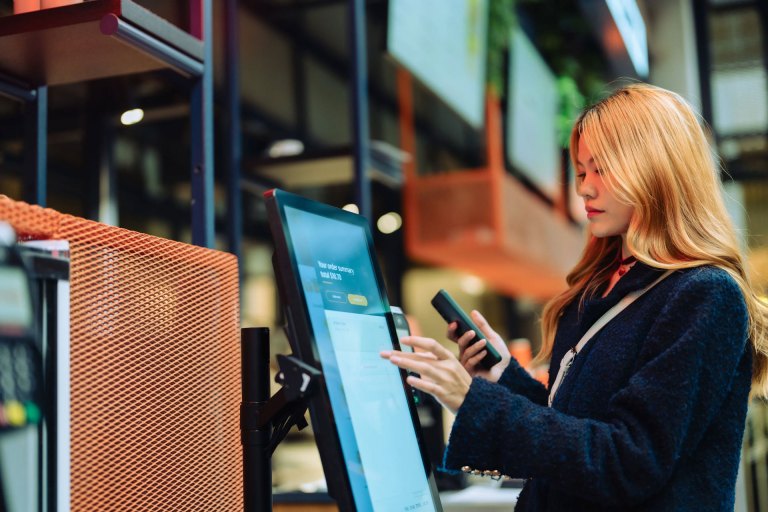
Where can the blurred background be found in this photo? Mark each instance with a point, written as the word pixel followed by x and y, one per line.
pixel 445 122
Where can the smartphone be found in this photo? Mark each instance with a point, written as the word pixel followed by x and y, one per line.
pixel 401 326
pixel 451 312
pixel 402 329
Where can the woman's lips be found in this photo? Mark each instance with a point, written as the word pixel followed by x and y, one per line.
pixel 592 212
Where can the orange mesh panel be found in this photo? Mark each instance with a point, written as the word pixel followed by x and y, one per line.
pixel 29 221
pixel 155 369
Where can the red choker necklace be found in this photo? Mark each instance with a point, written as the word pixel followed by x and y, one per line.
pixel 625 264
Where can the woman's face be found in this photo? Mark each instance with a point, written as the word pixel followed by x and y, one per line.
pixel 607 216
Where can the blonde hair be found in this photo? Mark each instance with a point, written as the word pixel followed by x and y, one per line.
pixel 655 156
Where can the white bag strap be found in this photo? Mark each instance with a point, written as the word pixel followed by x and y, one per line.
pixel 567 361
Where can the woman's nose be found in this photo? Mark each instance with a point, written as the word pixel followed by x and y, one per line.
pixel 586 189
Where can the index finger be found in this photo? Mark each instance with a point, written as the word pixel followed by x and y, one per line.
pixel 428 345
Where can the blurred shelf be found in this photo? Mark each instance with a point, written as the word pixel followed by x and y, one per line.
pixel 331 167
pixel 91 40
pixel 493 228
pixel 484 221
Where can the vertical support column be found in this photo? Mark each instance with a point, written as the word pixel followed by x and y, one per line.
pixel 298 51
pixel 202 129
pixel 701 26
pixel 495 161
pixel 408 144
pixel 36 143
pixel 359 88
pixel 49 312
pixel 234 152
pixel 762 12
pixel 257 470
pixel 672 42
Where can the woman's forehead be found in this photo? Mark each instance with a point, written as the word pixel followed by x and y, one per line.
pixel 583 152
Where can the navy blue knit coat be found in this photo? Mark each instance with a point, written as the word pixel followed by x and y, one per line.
pixel 650 416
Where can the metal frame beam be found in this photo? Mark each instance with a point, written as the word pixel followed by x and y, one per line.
pixel 35 100
pixel 201 107
pixel 15 90
pixel 358 77
pixel 111 25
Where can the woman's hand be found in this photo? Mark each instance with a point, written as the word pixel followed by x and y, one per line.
pixel 471 354
pixel 440 373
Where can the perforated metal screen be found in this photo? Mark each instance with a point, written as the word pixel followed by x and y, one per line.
pixel 155 367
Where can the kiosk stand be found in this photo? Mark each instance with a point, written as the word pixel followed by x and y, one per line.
pixel 265 420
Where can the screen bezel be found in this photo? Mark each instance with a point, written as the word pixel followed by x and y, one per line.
pixel 301 337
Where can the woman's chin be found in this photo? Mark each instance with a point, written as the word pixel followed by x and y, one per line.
pixel 602 232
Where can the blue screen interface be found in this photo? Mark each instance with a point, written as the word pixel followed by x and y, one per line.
pixel 369 402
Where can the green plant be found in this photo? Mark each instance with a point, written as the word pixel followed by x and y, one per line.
pixel 501 19
pixel 571 103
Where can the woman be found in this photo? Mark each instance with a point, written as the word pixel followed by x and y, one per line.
pixel 650 412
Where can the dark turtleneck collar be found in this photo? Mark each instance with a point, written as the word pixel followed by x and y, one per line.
pixel 638 276
pixel 576 320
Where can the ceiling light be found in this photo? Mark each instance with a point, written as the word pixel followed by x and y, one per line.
pixel 351 207
pixel 132 116
pixel 285 147
pixel 389 223
pixel 472 285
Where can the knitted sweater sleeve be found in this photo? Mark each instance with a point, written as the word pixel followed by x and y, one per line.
pixel 517 380
pixel 683 373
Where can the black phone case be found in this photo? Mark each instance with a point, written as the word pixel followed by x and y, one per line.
pixel 451 312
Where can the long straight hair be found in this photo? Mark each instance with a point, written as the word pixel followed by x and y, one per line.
pixel 655 156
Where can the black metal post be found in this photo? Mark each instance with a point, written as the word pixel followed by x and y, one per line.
pixel 359 86
pixel 257 467
pixel 36 142
pixel 234 156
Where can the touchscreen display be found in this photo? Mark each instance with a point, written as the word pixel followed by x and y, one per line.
pixel 370 406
